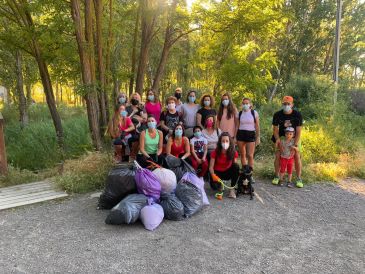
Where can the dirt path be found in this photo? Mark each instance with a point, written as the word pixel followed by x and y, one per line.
pixel 319 229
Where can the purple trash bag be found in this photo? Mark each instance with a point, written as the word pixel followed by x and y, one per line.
pixel 147 183
pixel 151 216
pixel 199 183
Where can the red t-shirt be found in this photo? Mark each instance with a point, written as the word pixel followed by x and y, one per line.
pixel 127 124
pixel 222 163
pixel 178 150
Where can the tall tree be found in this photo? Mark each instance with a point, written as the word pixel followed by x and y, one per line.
pixel 20 89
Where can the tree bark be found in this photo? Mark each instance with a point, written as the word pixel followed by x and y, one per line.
pixel 134 52
pixel 23 115
pixel 84 46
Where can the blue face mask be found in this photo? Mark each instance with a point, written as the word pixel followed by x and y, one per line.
pixel 225 102
pixel 178 132
pixel 245 107
pixel 151 124
pixel 191 99
pixel 197 134
pixel 207 103
pixel 122 100
pixel 151 98
pixel 123 113
pixel 286 108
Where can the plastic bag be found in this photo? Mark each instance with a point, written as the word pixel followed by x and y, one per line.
pixel 152 216
pixel 119 183
pixel 147 183
pixel 171 162
pixel 128 210
pixel 167 179
pixel 172 207
pixel 194 179
pixel 178 166
pixel 190 196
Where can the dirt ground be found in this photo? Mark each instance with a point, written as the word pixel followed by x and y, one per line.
pixel 318 229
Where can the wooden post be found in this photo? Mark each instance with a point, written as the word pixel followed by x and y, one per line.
pixel 3 161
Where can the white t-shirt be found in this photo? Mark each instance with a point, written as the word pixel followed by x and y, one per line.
pixel 198 145
pixel 247 121
pixel 189 114
pixel 212 139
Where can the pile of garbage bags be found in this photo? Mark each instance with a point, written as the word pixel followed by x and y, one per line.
pixel 173 192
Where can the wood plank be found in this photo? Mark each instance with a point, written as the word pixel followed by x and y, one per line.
pixel 21 203
pixel 25 186
pixel 27 190
pixel 26 196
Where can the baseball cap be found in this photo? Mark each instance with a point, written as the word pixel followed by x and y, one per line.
pixel 288 99
pixel 289 129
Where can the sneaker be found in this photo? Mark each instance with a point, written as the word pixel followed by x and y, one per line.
pixel 232 194
pixel 280 183
pixel 299 183
pixel 275 181
pixel 290 184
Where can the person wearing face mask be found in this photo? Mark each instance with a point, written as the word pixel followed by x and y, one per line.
pixel 178 95
pixel 227 116
pixel 122 98
pixel 248 133
pixel 223 164
pixel 199 150
pixel 153 105
pixel 188 112
pixel 206 103
pixel 178 144
pixel 151 143
pixel 287 117
pixel 120 128
pixel 170 118
pixel 211 133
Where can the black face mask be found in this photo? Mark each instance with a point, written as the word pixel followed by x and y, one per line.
pixel 178 95
pixel 134 102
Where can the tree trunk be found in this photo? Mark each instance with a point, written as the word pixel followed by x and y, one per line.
pixel 134 52
pixel 148 24
pixel 23 115
pixel 84 46
pixel 108 54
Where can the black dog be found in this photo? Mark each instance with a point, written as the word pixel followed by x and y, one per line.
pixel 245 181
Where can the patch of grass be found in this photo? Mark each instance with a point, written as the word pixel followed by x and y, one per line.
pixel 85 174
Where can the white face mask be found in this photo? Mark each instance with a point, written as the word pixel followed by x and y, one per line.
pixel 225 146
pixel 171 106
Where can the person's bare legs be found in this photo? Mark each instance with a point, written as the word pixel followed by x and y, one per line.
pixel 242 149
pixel 250 151
pixel 298 164
pixel 277 163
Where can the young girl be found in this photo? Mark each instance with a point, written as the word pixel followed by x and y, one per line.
pixel 178 144
pixel 199 149
pixel 223 163
pixel 227 120
pixel 287 150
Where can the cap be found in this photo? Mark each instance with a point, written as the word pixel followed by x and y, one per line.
pixel 288 99
pixel 289 129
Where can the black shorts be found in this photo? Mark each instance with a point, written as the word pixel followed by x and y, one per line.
pixel 246 136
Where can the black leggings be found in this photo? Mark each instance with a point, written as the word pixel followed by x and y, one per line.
pixel 230 174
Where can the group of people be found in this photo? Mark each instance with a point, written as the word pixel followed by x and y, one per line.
pixel 204 134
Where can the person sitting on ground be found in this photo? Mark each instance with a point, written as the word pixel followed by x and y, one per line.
pixel 178 95
pixel 199 150
pixel 287 150
pixel 227 116
pixel 120 128
pixel 223 164
pixel 153 105
pixel 211 133
pixel 287 117
pixel 151 143
pixel 188 112
pixel 207 110
pixel 178 144
pixel 170 118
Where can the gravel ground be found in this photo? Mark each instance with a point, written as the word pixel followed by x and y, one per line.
pixel 318 229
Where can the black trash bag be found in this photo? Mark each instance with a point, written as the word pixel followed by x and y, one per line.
pixel 119 183
pixel 172 207
pixel 170 161
pixel 190 196
pixel 127 211
pixel 178 166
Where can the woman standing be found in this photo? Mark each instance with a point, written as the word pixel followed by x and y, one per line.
pixel 206 103
pixel 178 145
pixel 153 105
pixel 122 98
pixel 227 120
pixel 211 133
pixel 223 164
pixel 151 142
pixel 248 134
pixel 188 112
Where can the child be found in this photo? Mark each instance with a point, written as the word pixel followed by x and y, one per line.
pixel 288 150
pixel 199 150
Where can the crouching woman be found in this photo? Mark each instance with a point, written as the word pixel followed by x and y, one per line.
pixel 223 164
pixel 150 142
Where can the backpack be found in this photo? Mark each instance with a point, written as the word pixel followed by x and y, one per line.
pixel 252 112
